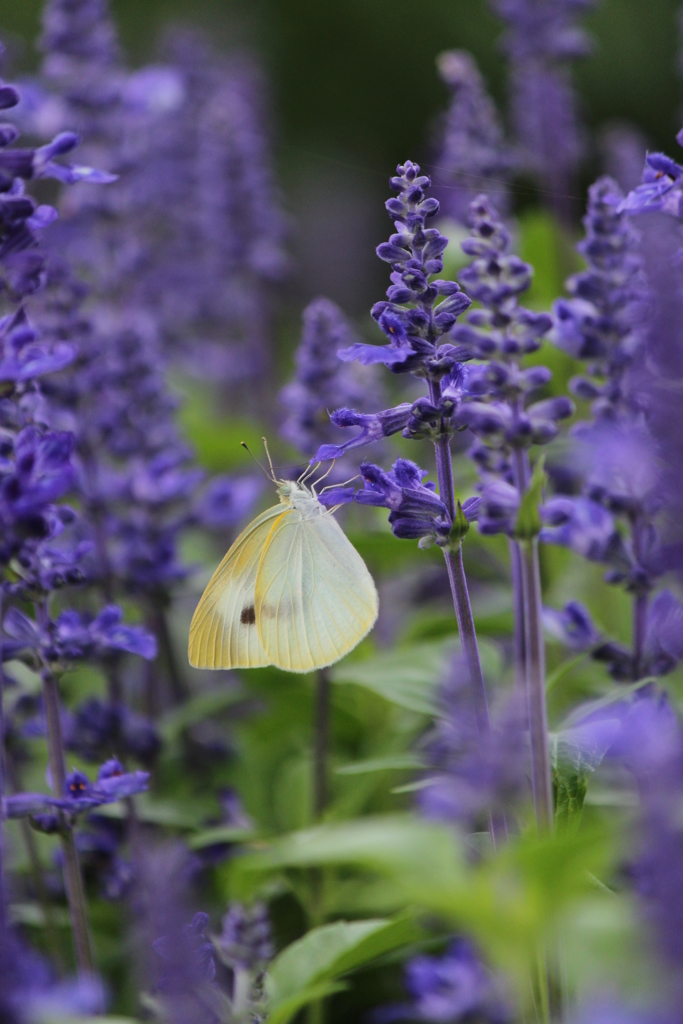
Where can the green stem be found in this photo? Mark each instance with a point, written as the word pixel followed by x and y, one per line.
pixel 321 738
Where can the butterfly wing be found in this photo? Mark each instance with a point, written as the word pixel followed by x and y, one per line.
pixel 223 633
pixel 315 599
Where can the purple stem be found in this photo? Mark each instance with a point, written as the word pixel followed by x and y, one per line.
pixel 535 664
pixel 458 580
pixel 73 880
pixel 519 626
pixel 640 608
pixel 462 605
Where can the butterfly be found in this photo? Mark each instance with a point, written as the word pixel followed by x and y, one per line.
pixel 292 592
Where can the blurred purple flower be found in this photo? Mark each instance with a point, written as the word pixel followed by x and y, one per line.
pixel 540 42
pixel 245 940
pixel 188 957
pixel 473 155
pixel 572 625
pixel 451 988
pixel 322 382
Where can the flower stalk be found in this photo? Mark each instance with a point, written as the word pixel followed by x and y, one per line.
pixel 73 879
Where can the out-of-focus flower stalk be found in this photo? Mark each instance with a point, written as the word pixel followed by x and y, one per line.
pixel 73 878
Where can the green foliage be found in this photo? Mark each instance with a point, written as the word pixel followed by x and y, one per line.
pixel 409 676
pixel 306 970
pixel 528 525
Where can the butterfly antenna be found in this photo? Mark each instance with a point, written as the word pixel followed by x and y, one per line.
pixel 248 449
pixel 270 461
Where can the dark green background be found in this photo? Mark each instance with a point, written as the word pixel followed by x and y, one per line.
pixel 354 91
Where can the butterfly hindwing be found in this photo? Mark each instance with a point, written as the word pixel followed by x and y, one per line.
pixel 223 633
pixel 315 599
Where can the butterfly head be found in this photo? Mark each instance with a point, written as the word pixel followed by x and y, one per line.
pixel 291 490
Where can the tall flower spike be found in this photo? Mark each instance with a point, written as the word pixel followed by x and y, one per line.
pixel 603 323
pixel 418 319
pixel 411 319
pixel 608 323
pixel 507 421
pixel 212 155
pixel 473 156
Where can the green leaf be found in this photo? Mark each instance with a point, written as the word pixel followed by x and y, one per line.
pixel 327 953
pixel 528 523
pixel 458 529
pixel 290 1007
pixel 508 901
pixel 410 676
pixel 180 814
pixel 220 834
pixel 393 762
pixel 577 753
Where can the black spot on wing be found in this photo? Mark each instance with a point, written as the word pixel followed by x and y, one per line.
pixel 248 616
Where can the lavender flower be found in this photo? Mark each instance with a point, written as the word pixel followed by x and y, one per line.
pixel 213 156
pixel 417 325
pixel 453 987
pixel 245 941
pixel 188 957
pixel 507 421
pixel 470 777
pixel 616 455
pixel 603 321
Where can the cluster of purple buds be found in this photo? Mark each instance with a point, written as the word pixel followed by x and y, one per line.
pixel 602 323
pixel 500 409
pixel 245 941
pixel 412 318
pixel 615 461
pixel 418 319
pixel 416 512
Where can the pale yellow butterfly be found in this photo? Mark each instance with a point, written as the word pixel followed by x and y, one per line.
pixel 292 592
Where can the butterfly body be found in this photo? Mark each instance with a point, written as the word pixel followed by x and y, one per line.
pixel 292 591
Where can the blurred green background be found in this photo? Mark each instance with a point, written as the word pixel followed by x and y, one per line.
pixel 354 90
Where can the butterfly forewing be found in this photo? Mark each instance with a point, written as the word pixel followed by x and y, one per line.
pixel 315 599
pixel 223 633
